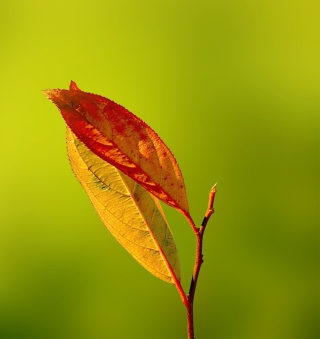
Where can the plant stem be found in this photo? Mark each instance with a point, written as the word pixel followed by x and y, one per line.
pixel 191 222
pixel 198 262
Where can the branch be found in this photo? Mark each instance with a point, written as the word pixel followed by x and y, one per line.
pixel 198 261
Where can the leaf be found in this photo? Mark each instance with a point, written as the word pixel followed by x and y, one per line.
pixel 132 215
pixel 125 141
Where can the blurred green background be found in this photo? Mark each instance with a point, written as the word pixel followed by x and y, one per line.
pixel 232 87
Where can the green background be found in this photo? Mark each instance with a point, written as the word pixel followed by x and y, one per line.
pixel 232 87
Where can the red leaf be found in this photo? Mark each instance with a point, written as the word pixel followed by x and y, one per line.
pixel 125 141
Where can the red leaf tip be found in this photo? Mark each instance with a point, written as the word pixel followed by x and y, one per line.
pixel 73 86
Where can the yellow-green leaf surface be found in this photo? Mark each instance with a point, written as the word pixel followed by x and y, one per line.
pixel 132 215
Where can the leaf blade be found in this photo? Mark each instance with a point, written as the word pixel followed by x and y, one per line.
pixel 125 141
pixel 122 203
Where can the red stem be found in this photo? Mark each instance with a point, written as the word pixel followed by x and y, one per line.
pixel 191 222
pixel 198 261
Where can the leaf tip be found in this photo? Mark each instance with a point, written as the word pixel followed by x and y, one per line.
pixel 73 86
pixel 48 93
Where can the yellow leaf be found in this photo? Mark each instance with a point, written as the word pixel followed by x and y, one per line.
pixel 132 215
